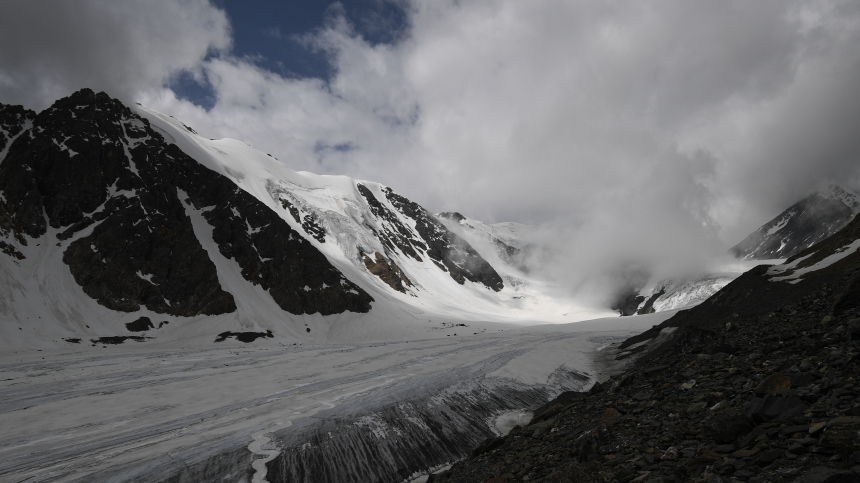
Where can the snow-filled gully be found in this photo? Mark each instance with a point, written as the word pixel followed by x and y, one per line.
pixel 269 412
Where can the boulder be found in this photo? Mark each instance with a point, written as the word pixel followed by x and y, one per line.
pixel 842 432
pixel 775 408
pixel 728 426
pixel 140 325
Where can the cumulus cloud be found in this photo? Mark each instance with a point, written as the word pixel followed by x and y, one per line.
pixel 51 49
pixel 652 134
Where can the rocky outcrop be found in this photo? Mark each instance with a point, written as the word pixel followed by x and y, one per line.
pixel 429 239
pixel 118 197
pixel 140 325
pixel 388 272
pixel 448 250
pixel 245 337
pixel 308 223
pixel 451 215
pixel 648 307
pixel 628 302
pixel 394 234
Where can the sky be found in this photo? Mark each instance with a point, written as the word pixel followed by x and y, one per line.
pixel 655 130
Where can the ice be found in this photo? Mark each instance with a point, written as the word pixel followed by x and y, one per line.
pixel 195 402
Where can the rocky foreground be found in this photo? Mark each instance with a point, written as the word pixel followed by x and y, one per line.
pixel 757 384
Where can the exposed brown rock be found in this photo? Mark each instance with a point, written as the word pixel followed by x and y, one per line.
pixel 388 271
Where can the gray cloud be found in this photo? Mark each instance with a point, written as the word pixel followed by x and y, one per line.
pixel 50 49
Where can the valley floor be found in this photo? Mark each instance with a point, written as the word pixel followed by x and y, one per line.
pixel 138 411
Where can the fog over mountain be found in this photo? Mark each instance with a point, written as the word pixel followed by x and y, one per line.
pixel 646 137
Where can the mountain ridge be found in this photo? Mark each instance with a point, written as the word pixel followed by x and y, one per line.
pixel 155 221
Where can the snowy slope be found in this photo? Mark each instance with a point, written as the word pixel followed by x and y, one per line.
pixel 681 292
pixel 802 225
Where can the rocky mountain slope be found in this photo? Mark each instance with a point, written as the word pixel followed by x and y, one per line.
pixel 755 384
pixel 802 225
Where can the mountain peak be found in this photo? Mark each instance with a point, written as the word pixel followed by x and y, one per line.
pixel 802 225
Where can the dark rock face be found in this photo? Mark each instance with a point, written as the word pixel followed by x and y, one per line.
pixel 756 384
pixel 448 250
pixel 13 120
pixel 805 223
pixel 74 169
pixel 101 177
